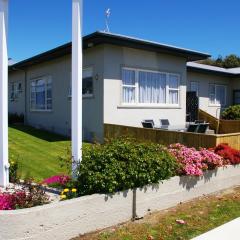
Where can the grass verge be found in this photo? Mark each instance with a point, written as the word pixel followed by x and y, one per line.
pixel 200 216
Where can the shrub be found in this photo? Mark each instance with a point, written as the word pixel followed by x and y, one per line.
pixel 123 164
pixel 211 159
pixel 190 160
pixel 15 118
pixel 57 181
pixel 193 162
pixel 231 113
pixel 13 171
pixel 229 154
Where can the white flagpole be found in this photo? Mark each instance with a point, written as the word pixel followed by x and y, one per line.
pixel 76 84
pixel 4 165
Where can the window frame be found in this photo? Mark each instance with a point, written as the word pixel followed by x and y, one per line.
pixel 215 104
pixel 16 91
pixel 83 95
pixel 234 99
pixel 46 78
pixel 198 86
pixel 168 89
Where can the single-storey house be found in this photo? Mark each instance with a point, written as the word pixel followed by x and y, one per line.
pixel 125 80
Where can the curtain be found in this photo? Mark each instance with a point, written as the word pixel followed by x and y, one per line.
pixel 49 94
pixel 128 81
pixel 173 89
pixel 173 96
pixel 128 95
pixel 40 94
pixel 152 87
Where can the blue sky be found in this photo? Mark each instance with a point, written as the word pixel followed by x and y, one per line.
pixel 206 25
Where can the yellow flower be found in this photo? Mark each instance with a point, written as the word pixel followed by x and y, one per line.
pixel 66 190
pixel 74 190
pixel 63 196
pixel 12 163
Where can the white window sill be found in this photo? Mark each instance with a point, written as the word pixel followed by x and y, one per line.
pixel 149 106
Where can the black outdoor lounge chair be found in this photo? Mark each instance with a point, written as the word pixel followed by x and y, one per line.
pixel 203 127
pixel 199 121
pixel 147 124
pixel 164 123
pixel 149 121
pixel 192 127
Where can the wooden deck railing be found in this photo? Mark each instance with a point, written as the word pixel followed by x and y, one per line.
pixel 166 137
pixel 219 125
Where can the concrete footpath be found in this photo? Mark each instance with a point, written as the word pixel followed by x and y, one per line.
pixel 228 231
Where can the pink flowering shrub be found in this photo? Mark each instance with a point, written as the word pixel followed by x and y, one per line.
pixel 190 160
pixel 193 162
pixel 29 196
pixel 211 159
pixel 7 201
pixel 61 180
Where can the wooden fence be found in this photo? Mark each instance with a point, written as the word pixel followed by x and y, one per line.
pixel 166 137
pixel 219 125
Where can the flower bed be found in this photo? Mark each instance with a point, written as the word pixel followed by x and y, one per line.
pixel 25 195
pixel 122 164
pixel 148 173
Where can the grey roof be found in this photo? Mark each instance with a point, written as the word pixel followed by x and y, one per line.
pixel 193 66
pixel 156 44
pixel 97 38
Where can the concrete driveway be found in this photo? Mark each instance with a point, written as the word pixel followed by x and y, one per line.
pixel 228 231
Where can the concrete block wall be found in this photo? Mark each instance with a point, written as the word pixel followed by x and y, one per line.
pixel 68 219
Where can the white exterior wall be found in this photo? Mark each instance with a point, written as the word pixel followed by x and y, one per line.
pixel 204 80
pixel 59 119
pixel 17 105
pixel 114 112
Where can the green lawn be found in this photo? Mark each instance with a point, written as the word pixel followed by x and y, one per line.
pixel 37 151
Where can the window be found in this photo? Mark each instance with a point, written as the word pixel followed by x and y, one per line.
pixel 173 89
pixel 236 97
pixel 41 94
pixel 129 88
pixel 15 90
pixel 217 94
pixel 87 84
pixel 194 87
pixel 149 87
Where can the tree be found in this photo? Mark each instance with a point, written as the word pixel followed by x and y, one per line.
pixel 230 61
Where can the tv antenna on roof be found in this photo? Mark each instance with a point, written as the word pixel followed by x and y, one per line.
pixel 107 16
